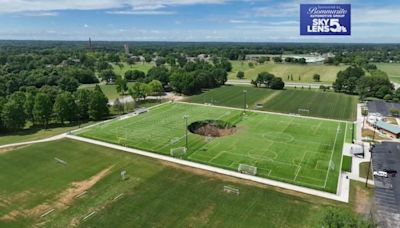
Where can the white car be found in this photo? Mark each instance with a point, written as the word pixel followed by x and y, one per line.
pixel 381 174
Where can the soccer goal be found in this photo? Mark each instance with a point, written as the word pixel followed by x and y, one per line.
pixel 122 141
pixel 303 111
pixel 178 152
pixel 229 189
pixel 247 169
pixel 331 165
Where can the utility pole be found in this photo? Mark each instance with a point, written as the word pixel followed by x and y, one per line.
pixel 186 117
pixel 370 151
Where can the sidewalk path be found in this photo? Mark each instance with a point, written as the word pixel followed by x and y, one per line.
pixel 54 138
pixel 342 196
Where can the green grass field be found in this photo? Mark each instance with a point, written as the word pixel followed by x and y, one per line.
pixel 155 194
pixel 145 67
pixel 109 90
pixel 37 133
pixel 392 69
pixel 285 148
pixel 306 72
pixel 318 103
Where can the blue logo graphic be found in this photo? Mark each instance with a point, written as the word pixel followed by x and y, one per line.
pixel 325 19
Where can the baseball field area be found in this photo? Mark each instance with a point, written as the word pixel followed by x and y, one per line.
pixel 300 101
pixel 292 149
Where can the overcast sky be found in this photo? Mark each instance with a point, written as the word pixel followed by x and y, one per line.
pixel 187 20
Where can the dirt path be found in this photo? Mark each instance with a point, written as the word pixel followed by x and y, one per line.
pixel 63 200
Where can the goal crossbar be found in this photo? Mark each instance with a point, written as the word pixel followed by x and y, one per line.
pixel 247 169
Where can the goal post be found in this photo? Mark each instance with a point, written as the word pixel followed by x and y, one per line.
pixel 247 169
pixel 122 141
pixel 331 165
pixel 230 189
pixel 303 111
pixel 178 152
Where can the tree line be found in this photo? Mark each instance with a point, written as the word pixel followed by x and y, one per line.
pixel 354 80
pixel 47 104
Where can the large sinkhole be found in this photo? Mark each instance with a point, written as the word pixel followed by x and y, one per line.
pixel 212 128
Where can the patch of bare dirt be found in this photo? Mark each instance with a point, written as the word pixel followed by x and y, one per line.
pixel 363 201
pixel 202 217
pixel 63 200
pixel 11 148
pixel 214 131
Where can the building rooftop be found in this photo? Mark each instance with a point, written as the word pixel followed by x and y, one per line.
pixel 395 129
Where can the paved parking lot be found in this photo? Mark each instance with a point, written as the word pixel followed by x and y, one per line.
pixel 382 107
pixel 387 190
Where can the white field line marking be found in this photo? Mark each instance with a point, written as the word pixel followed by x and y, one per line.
pixel 81 194
pixel 298 170
pixel 118 196
pixel 48 212
pixel 87 216
pixel 333 150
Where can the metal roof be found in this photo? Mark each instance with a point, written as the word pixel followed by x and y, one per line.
pixel 395 129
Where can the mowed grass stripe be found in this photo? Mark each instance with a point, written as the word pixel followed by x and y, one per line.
pixel 320 104
pixel 274 143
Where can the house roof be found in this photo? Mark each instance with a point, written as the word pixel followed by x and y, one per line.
pixel 395 129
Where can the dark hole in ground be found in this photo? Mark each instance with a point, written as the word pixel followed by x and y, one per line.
pixel 212 128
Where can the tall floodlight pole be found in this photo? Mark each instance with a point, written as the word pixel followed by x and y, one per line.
pixel 186 117
pixel 244 100
pixel 370 151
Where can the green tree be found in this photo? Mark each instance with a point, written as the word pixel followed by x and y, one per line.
pixel 28 106
pixel 139 91
pixel 240 75
pixel 158 73
pixel 42 109
pixel 108 76
pixel 13 113
pixel 98 104
pixel 68 83
pixel 65 107
pixel 121 85
pixel 277 83
pixel 156 87
pixel 316 77
pixel 134 75
pixel 82 98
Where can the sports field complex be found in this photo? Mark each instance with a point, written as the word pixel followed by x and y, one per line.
pixel 298 150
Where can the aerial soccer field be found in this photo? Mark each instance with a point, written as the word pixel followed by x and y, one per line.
pixel 296 150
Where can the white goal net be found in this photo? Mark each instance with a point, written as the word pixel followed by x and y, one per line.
pixel 247 169
pixel 331 165
pixel 303 111
pixel 178 152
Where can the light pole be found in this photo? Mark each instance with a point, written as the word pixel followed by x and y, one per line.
pixel 186 117
pixel 244 100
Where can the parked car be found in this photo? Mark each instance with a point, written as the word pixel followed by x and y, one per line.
pixel 391 172
pixel 381 174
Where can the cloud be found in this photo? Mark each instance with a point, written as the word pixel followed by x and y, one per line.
pixel 17 6
pixel 40 14
pixel 144 12
pixel 86 26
